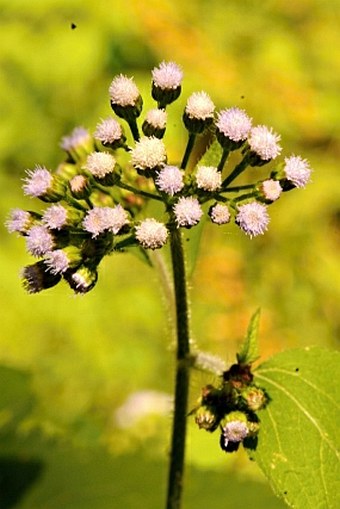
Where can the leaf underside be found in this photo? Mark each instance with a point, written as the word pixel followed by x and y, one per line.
pixel 298 447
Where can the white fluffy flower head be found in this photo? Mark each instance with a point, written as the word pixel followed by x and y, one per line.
pixel 100 164
pixel 108 131
pixel 149 153
pixel 297 170
pixel 219 214
pixel 151 234
pixel 234 124
pixel 235 431
pixel 55 217
pixel 157 118
pixel 101 219
pixel 123 91
pixel 38 182
pixel 208 178
pixel 167 76
pixel 252 218
pixel 18 221
pixel 39 240
pixel 271 189
pixel 264 142
pixel 57 261
pixel 200 106
pixel 170 180
pixel 187 211
pixel 78 136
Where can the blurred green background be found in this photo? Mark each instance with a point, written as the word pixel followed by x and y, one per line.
pixel 68 364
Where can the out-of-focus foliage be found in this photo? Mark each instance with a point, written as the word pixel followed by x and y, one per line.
pixel 276 59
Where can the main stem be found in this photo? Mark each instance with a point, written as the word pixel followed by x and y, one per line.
pixel 176 469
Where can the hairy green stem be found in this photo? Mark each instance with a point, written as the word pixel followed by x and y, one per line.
pixel 176 469
pixel 223 160
pixel 236 172
pixel 146 194
pixel 188 150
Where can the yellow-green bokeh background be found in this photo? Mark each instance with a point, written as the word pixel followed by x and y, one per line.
pixel 281 62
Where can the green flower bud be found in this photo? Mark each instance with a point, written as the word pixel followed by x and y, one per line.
pixel 36 278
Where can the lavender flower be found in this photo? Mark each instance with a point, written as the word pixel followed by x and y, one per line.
pixel 101 219
pixel 148 154
pixel 39 240
pixel 264 142
pixel 55 217
pixel 38 182
pixel 110 132
pixel 234 431
pixel 100 164
pixel 151 234
pixel 167 76
pixel 219 214
pixel 297 170
pixel 200 106
pixel 208 178
pixel 170 180
pixel 252 218
pixel 19 221
pixel 233 124
pixel 188 212
pixel 271 189
pixel 123 91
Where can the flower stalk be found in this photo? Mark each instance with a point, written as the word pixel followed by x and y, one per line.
pixel 177 452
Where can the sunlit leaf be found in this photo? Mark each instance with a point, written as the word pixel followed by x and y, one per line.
pixel 298 447
pixel 249 351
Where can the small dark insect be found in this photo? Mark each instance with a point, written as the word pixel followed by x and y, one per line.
pixel 297 369
pixel 242 96
pixel 73 26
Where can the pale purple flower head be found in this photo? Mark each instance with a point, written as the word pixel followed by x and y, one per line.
pixel 208 178
pixel 297 170
pixel 151 234
pixel 234 124
pixel 100 164
pixel 108 131
pixel 39 240
pixel 57 261
pixel 149 153
pixel 123 91
pixel 271 189
pixel 157 118
pixel 167 76
pixel 219 214
pixel 234 431
pixel 252 218
pixel 38 182
pixel 79 136
pixel 170 180
pixel 264 142
pixel 19 221
pixel 55 217
pixel 188 212
pixel 101 219
pixel 200 106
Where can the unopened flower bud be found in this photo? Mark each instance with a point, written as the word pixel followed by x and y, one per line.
pixel 166 83
pixel 254 397
pixel 219 214
pixel 206 419
pixel 126 100
pixel 36 278
pixel 199 112
pixel 82 280
pixel 66 170
pixel 80 187
pixel 155 123
pixel 270 190
pixel 41 184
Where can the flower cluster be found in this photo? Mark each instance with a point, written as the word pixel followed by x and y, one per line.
pixel 232 407
pixel 95 201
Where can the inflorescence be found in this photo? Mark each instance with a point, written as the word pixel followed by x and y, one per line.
pixel 95 204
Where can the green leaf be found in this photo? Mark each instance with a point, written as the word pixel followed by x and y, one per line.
pixel 250 349
pixel 298 448
pixel 211 157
